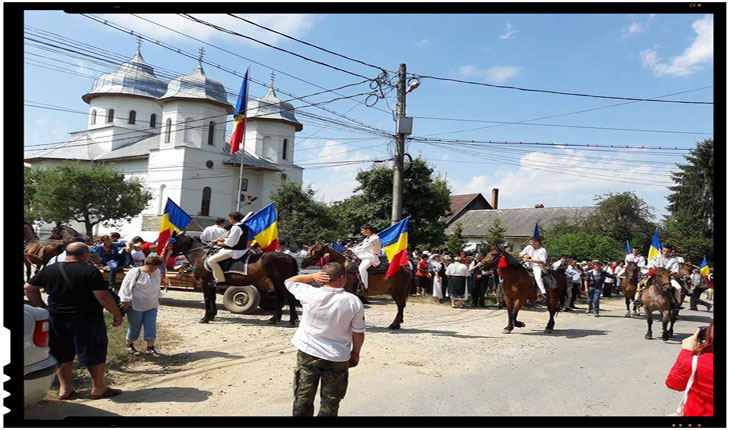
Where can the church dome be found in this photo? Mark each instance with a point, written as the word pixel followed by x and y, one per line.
pixel 134 77
pixel 271 107
pixel 197 86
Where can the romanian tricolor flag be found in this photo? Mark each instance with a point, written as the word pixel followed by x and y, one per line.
pixel 263 229
pixel 395 244
pixel 173 219
pixel 704 268
pixel 239 116
pixel 656 246
pixel 628 248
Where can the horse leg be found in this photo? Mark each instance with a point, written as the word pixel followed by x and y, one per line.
pixel 400 302
pixel 672 319
pixel 665 321
pixel 628 311
pixel 209 299
pixel 510 322
pixel 517 306
pixel 553 309
pixel 648 335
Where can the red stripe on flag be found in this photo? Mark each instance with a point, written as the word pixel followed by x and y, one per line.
pixel 237 136
pixel 162 240
pixel 399 259
pixel 272 246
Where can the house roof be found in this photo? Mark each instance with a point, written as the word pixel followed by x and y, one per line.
pixel 137 149
pixel 519 222
pixel 86 149
pixel 457 203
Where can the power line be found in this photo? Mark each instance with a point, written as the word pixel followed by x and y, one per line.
pixel 382 69
pixel 612 147
pixel 225 30
pixel 563 93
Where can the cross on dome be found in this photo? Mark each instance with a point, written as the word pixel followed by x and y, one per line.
pixel 201 54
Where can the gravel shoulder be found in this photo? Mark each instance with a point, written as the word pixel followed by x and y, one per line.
pixel 443 362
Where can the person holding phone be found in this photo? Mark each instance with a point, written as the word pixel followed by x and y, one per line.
pixel 700 399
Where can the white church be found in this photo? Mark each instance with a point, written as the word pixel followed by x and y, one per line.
pixel 173 136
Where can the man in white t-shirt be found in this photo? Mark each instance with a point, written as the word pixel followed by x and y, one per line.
pixel 635 257
pixel 559 263
pixel 536 256
pixel 333 322
pixel 213 232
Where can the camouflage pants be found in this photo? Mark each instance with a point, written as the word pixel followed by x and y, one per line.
pixel 306 378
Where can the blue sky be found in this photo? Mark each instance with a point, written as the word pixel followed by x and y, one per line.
pixel 640 56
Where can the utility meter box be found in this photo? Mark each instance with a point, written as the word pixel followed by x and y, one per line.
pixel 404 125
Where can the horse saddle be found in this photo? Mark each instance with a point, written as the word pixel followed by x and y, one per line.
pixel 235 265
pixel 380 269
pixel 548 280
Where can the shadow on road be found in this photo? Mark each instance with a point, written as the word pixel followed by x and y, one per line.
pixel 570 333
pixel 422 331
pixel 57 410
pixel 164 394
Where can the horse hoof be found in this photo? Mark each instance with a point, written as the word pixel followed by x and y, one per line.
pixel 506 331
pixel 519 324
pixel 665 338
pixel 204 320
pixel 292 324
pixel 394 327
pixel 548 330
pixel 628 315
pixel 648 337
pixel 671 333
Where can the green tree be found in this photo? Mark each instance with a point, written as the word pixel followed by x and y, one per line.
pixel 690 224
pixel 456 241
pixel 31 178
pixel 425 196
pixel 621 216
pixel 88 194
pixel 584 247
pixel 494 236
pixel 300 216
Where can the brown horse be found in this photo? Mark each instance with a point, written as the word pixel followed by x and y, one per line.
pixel 628 287
pixel 267 273
pixel 397 284
pixel 519 287
pixel 657 297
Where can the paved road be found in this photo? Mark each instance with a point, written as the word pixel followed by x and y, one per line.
pixel 444 361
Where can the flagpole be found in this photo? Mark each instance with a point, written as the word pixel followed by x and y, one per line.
pixel 243 146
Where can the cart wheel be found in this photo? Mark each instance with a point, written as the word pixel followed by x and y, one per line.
pixel 241 299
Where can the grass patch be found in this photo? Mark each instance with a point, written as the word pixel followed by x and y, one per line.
pixel 116 356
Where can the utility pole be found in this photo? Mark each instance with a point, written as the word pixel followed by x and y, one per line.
pixel 400 139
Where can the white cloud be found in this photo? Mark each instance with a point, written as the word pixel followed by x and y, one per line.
pixel 335 183
pixel 526 185
pixel 83 67
pixel 635 28
pixel 508 34
pixel 293 25
pixel 494 74
pixel 421 42
pixel 691 60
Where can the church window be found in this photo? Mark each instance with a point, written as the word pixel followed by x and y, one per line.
pixel 132 116
pixel 205 204
pixel 244 184
pixel 93 116
pixel 168 130
pixel 162 201
pixel 188 133
pixel 211 132
pixel 110 116
pixel 283 150
pixel 153 121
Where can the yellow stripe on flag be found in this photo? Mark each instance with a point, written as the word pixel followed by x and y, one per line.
pixel 393 249
pixel 653 252
pixel 267 236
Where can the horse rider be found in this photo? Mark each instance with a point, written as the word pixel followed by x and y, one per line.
pixel 635 257
pixel 367 252
pixel 213 232
pixel 235 245
pixel 665 260
pixel 679 259
pixel 536 257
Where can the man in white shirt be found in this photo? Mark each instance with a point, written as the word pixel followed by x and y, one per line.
pixel 235 245
pixel 559 263
pixel 665 261
pixel 679 259
pixel 333 321
pixel 213 232
pixel 367 252
pixel 635 257
pixel 536 256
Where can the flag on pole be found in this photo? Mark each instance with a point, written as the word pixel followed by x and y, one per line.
pixel 395 244
pixel 536 232
pixel 263 228
pixel 337 247
pixel 704 268
pixel 628 248
pixel 656 246
pixel 239 116
pixel 173 219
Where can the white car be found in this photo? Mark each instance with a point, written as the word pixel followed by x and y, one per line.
pixel 39 366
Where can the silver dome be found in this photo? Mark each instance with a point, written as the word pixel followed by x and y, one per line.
pixel 197 86
pixel 135 77
pixel 271 107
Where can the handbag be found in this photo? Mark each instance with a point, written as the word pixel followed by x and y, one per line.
pixel 115 296
pixel 680 409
